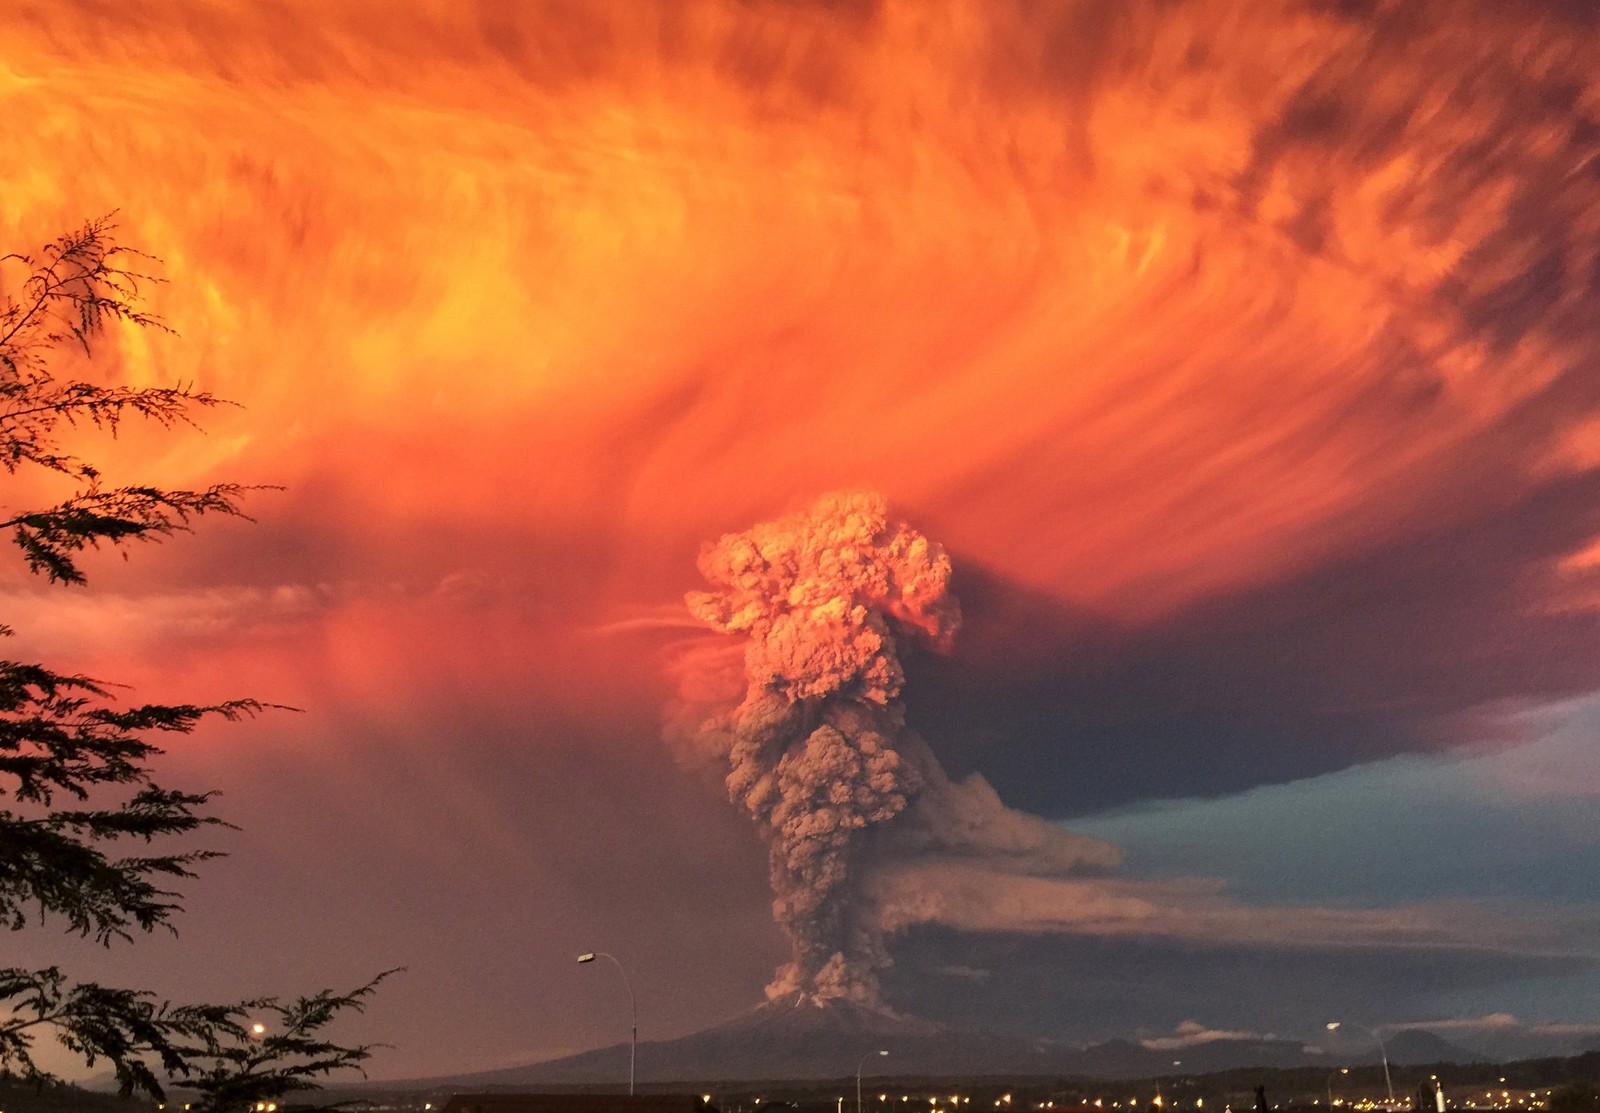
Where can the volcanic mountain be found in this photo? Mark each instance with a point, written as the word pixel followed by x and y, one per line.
pixel 803 1041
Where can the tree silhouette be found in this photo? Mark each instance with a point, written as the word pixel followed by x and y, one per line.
pixel 76 788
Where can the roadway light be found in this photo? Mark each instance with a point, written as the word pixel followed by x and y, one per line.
pixel 1333 1026
pixel 633 1004
pixel 1341 1070
pixel 864 1058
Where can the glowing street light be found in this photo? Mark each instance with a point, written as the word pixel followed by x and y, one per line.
pixel 633 1004
pixel 864 1058
pixel 1341 1070
pixel 1333 1026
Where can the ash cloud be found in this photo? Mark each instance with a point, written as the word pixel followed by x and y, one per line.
pixel 869 839
pixel 817 747
pixel 1419 645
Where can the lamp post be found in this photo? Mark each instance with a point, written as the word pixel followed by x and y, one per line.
pixel 1160 1104
pixel 1383 1051
pixel 1341 1070
pixel 859 1065
pixel 633 1004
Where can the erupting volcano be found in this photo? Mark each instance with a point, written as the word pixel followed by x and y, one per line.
pixel 816 743
pixel 818 750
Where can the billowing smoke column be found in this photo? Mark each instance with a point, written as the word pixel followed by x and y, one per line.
pixel 818 748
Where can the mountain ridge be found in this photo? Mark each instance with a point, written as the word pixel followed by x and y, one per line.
pixel 803 1041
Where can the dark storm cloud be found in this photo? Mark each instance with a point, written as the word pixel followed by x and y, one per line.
pixel 1409 643
pixel 1410 647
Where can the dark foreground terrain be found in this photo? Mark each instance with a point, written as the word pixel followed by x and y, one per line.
pixel 1556 1085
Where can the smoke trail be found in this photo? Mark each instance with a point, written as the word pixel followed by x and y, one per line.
pixel 817 747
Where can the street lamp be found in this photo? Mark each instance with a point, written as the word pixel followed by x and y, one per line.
pixel 1384 1051
pixel 1158 1102
pixel 633 1004
pixel 1341 1070
pixel 859 1065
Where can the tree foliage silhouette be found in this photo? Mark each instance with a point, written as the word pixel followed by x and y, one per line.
pixel 76 787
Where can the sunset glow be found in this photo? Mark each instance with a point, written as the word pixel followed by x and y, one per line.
pixel 1241 356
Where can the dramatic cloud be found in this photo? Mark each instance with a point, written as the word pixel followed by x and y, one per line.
pixel 1230 329
pixel 1240 356
pixel 818 750
pixel 867 835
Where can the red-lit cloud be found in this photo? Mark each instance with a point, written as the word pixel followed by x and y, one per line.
pixel 1132 308
pixel 1240 355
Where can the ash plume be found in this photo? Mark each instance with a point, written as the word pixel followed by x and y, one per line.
pixel 817 748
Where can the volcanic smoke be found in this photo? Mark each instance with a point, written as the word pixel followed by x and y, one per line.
pixel 818 751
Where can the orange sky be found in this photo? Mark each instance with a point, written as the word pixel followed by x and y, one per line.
pixel 1048 287
pixel 1140 312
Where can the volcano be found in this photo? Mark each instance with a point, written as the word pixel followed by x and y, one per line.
pixel 802 1041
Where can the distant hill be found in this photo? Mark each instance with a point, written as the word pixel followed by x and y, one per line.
pixel 24 1097
pixel 1413 1046
pixel 1498 1044
pixel 1531 1042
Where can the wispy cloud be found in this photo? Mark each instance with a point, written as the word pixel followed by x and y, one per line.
pixel 972 897
pixel 1191 1033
